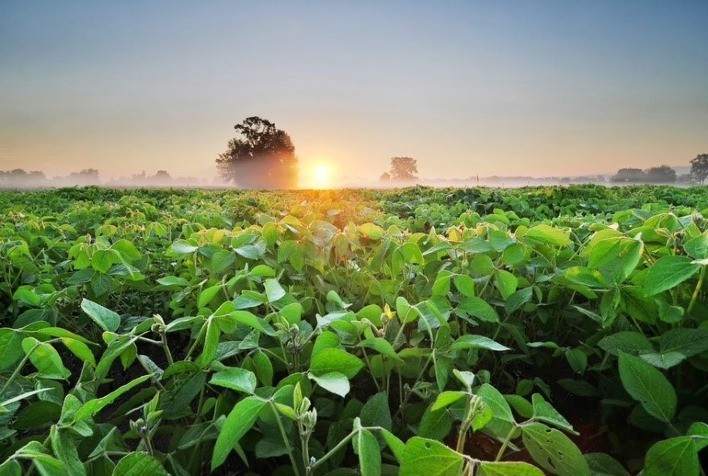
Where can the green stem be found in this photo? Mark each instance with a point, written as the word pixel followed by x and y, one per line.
pixel 697 291
pixel 505 444
pixel 288 446
pixel 331 452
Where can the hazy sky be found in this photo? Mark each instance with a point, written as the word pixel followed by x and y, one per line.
pixel 466 87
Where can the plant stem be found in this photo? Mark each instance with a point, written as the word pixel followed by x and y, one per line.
pixel 505 444
pixel 331 452
pixel 697 291
pixel 285 438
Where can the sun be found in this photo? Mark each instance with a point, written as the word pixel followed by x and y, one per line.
pixel 321 176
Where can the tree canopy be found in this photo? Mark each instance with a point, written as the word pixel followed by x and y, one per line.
pixel 262 157
pixel 699 168
pixel 402 168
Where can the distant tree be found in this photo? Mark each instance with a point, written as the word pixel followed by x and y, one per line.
pixel 403 168
pixel 629 175
pixel 699 168
pixel 385 177
pixel 262 157
pixel 661 174
pixel 162 175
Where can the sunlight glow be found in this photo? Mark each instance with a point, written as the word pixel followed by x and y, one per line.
pixel 321 176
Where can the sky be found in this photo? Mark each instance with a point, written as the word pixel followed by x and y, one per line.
pixel 466 87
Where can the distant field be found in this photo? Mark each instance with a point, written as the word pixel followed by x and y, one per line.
pixel 407 331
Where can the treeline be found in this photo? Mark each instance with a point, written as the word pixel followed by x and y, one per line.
pixel 19 178
pixel 661 174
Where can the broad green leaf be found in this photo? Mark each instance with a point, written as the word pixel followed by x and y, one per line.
pixel 684 341
pixel 697 247
pixel 10 348
pixel 479 308
pixel 464 284
pixel 45 358
pixel 602 464
pixel 251 320
pixel 108 320
pixel 380 345
pixel 139 464
pixel 367 447
pixel 376 412
pixel 181 248
pixel 64 447
pixel 627 341
pixel 241 418
pixel 548 234
pixel 394 443
pixel 672 457
pixel 335 382
pixel 477 342
pixel 336 360
pixel 370 231
pixel 235 378
pixel 506 283
pixel 80 350
pixel 435 424
pixel 554 451
pixel 668 272
pixel 208 294
pixel 503 420
pixel 274 291
pixel 422 456
pixel 648 386
pixel 544 412
pixel 507 468
pixel 447 398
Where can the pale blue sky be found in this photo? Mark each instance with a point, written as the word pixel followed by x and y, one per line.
pixel 466 87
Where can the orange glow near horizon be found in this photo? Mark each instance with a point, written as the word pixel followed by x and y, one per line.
pixel 319 176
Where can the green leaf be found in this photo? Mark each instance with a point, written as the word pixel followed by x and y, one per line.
pixel 675 456
pixel 548 234
pixel 626 341
pixel 464 284
pixel 80 350
pixel 469 341
pixel 668 272
pixel 544 411
pixel 92 407
pixel 370 231
pixel 431 458
pixel 10 348
pixel 503 420
pixel 274 291
pixel 507 468
pixel 554 451
pixel 684 341
pixel 447 398
pixel 108 320
pixel 139 464
pixel 435 424
pixel 207 294
pixel 602 464
pixel 397 446
pixel 335 382
pixel 235 378
pixel 102 260
pixel 479 308
pixel 648 386
pixel 697 247
pixel 45 358
pixel 64 447
pixel 182 247
pixel 335 360
pixel 251 320
pixel 211 342
pixel 380 345
pixel 376 412
pixel 506 283
pixel 241 418
pixel 367 447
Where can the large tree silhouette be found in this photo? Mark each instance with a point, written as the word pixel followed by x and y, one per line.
pixel 262 157
pixel 699 168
